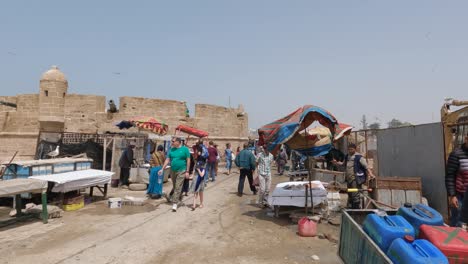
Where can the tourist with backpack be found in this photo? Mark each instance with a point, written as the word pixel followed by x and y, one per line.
pixel 200 151
pixel 356 174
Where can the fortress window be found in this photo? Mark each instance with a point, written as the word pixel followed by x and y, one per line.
pixel 46 93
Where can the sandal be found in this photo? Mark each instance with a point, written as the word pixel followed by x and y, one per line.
pixel 201 206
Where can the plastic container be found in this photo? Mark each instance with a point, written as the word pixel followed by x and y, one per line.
pixel 114 203
pixel 420 214
pixel 451 241
pixel 307 227
pixel 384 229
pixel 73 207
pixel 73 200
pixel 410 251
pixel 334 201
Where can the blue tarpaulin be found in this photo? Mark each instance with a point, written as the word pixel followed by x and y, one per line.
pixel 286 131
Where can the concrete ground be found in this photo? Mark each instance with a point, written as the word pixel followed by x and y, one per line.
pixel 229 229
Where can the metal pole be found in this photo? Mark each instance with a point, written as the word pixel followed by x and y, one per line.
pixel 310 186
pixel 18 205
pixel 355 138
pixel 365 138
pixel 45 214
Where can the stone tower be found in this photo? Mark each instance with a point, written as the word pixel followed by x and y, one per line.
pixel 53 89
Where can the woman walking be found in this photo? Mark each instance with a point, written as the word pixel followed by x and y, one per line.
pixel 228 154
pixel 198 184
pixel 156 181
pixel 281 161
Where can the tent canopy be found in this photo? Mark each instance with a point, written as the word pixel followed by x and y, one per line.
pixel 145 122
pixel 191 131
pixel 286 131
pixel 342 130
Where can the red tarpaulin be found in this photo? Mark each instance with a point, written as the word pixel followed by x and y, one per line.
pixel 191 131
pixel 342 129
pixel 146 123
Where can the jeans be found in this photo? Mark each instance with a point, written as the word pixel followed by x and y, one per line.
pixel 265 185
pixel 248 173
pixel 455 213
pixel 210 171
pixel 228 164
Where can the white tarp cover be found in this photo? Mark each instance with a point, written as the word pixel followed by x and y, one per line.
pixel 29 163
pixel 75 180
pixel 283 195
pixel 18 186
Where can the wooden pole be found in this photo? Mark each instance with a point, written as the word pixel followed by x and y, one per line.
pixel 104 150
pixel 113 155
pixel 9 163
pixel 106 145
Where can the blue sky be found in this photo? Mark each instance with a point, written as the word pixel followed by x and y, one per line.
pixel 384 59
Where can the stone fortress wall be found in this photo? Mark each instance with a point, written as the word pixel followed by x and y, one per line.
pixel 55 110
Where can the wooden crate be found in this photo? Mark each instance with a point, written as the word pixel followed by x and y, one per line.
pixel 396 191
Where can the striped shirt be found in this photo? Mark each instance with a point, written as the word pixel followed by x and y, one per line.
pixel 264 163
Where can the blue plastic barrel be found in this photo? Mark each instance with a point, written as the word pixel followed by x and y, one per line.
pixel 421 251
pixel 384 229
pixel 420 214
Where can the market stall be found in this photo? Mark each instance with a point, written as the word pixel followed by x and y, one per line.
pixel 158 129
pixel 295 131
pixel 77 180
pixel 15 187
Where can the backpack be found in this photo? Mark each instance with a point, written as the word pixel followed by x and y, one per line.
pixel 359 171
pixel 204 152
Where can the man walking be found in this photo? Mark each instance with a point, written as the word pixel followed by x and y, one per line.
pixel 211 165
pixel 356 172
pixel 179 157
pixel 456 181
pixel 264 160
pixel 282 159
pixel 246 162
pixel 125 162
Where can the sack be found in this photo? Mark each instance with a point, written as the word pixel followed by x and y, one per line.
pixel 256 181
pixel 306 227
pixel 233 156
